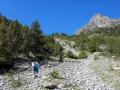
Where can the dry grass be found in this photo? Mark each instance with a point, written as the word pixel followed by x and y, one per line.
pixel 103 67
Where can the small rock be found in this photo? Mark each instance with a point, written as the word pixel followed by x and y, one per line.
pixel 1 84
pixel 0 77
pixel 116 68
pixel 60 86
pixel 16 78
pixel 43 77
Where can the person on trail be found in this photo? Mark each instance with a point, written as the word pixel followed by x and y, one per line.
pixel 36 67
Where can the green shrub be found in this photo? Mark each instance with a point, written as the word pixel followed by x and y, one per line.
pixel 82 55
pixel 113 45
pixel 55 74
pixel 70 54
pixel 56 49
pixel 81 41
pixel 94 43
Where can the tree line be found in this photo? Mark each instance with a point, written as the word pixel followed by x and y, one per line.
pixel 16 39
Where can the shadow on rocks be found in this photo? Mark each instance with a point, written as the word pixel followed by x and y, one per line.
pixel 52 87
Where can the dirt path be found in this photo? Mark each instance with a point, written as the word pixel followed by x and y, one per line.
pixel 79 73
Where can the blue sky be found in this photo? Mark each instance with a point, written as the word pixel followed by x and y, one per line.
pixel 58 15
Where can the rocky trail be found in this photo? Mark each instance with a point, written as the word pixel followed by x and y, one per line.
pixel 76 73
pixel 79 73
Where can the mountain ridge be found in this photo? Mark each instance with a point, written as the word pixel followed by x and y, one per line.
pixel 98 21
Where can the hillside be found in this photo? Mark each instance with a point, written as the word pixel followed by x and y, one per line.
pixel 87 61
pixel 73 74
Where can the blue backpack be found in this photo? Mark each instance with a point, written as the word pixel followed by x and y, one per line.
pixel 37 66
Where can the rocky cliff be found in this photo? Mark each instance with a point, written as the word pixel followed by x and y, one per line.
pixel 98 21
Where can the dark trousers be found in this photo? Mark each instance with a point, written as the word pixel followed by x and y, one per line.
pixel 36 70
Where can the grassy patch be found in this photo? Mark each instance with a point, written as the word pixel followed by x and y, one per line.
pixel 105 71
pixel 82 55
pixel 55 74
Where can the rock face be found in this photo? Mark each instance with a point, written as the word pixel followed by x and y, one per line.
pixel 67 46
pixel 98 21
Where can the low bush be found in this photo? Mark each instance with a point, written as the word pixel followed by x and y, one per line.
pixel 70 54
pixel 82 55
pixel 55 74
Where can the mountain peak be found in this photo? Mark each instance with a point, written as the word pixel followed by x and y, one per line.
pixel 99 21
pixel 98 15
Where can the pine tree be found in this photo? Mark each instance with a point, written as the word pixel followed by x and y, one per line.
pixel 36 28
pixel 2 40
pixel 37 39
pixel 13 38
pixel 26 39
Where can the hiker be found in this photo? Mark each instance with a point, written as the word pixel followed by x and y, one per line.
pixel 36 67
